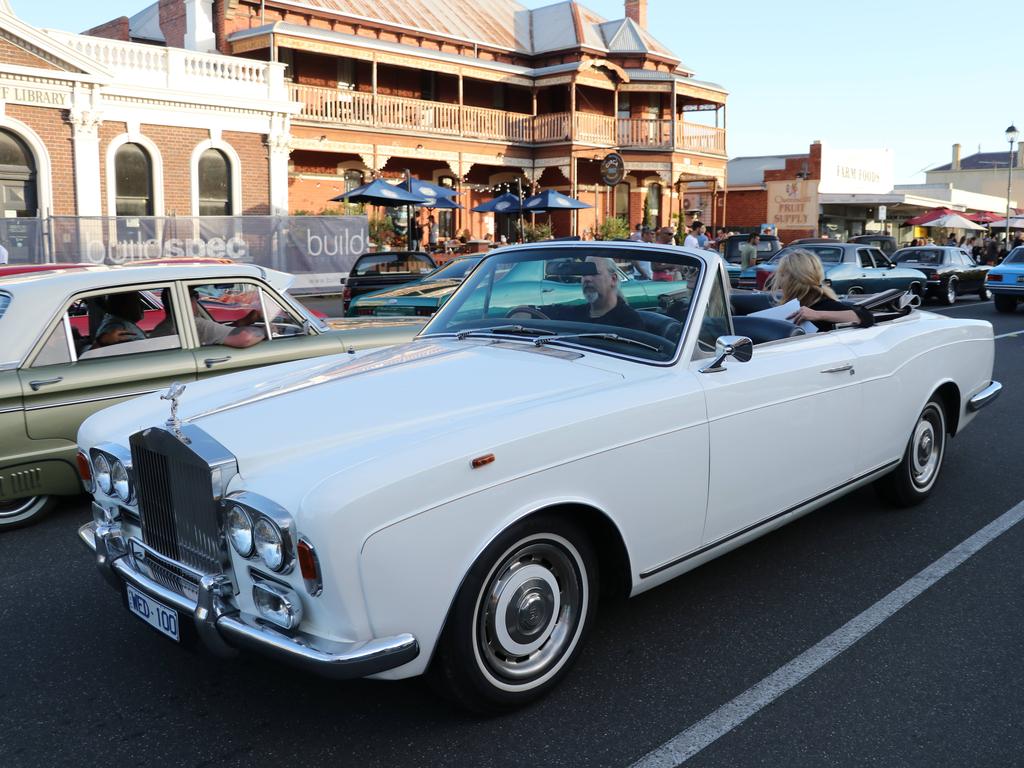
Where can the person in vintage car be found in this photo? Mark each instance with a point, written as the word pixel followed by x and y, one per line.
pixel 73 341
pixel 317 513
pixel 239 333
pixel 800 277
pixel 605 303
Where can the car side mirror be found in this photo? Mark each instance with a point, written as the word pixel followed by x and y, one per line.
pixel 739 348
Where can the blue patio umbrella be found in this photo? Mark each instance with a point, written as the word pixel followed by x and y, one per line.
pixel 506 203
pixel 428 190
pixel 550 200
pixel 379 192
pixel 441 203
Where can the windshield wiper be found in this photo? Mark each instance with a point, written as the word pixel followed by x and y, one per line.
pixel 606 336
pixel 502 329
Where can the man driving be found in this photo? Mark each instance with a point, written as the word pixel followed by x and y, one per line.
pixel 239 334
pixel 605 303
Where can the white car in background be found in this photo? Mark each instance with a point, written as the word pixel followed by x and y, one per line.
pixel 456 504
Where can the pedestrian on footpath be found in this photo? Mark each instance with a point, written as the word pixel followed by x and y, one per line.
pixel 692 240
pixel 748 251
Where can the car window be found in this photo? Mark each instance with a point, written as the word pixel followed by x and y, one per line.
pixel 225 309
pixel 5 302
pixel 283 321
pixel 454 270
pixel 827 254
pixel 864 256
pixel 393 263
pixel 881 260
pixel 56 350
pixel 1016 256
pixel 919 256
pixel 716 321
pixel 127 322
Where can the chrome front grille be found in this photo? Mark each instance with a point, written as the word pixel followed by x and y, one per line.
pixel 177 497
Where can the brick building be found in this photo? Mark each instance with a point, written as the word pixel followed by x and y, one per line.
pixel 474 94
pixel 97 127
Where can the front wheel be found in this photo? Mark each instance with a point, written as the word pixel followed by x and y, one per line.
pixel 24 511
pixel 1005 303
pixel 912 481
pixel 520 617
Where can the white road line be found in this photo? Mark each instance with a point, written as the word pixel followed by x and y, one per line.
pixel 1008 335
pixel 689 742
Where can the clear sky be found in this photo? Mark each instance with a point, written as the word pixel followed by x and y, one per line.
pixel 916 76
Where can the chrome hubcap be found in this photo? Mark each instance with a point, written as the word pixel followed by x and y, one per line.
pixel 951 291
pixel 529 611
pixel 17 506
pixel 926 452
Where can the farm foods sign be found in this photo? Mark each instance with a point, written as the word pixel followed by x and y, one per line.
pixel 856 171
pixel 793 204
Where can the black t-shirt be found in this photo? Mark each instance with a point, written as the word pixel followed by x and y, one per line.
pixel 621 315
pixel 825 304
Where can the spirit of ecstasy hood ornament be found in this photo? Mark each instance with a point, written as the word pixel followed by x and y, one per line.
pixel 173 394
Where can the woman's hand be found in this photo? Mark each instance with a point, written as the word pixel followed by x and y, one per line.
pixel 805 314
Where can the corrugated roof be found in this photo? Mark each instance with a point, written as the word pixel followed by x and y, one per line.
pixel 982 161
pixel 749 171
pixel 502 23
pixel 145 25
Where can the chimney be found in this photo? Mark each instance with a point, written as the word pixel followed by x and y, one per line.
pixel 956 157
pixel 637 11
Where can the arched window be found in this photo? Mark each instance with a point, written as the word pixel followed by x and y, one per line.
pixel 654 205
pixel 622 201
pixel 133 174
pixel 17 177
pixel 215 184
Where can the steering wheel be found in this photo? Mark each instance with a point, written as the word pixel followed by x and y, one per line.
pixel 524 311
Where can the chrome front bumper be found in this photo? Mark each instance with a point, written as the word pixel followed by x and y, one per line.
pixel 223 630
pixel 985 397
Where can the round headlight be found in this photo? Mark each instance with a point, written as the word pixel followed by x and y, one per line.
pixel 120 482
pixel 239 529
pixel 269 544
pixel 101 472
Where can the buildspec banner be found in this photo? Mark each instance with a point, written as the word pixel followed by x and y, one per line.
pixel 319 250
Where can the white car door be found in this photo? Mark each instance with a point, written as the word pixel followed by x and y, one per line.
pixel 783 430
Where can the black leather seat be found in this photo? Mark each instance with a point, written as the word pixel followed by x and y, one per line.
pixel 661 325
pixel 743 302
pixel 763 329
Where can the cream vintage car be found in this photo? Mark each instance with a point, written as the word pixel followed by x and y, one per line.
pixel 54 373
pixel 328 515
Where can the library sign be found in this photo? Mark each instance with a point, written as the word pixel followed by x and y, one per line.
pixel 793 204
pixel 35 96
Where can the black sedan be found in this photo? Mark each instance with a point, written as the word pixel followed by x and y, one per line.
pixel 950 271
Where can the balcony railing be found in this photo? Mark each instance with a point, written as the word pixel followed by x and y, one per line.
pixel 356 108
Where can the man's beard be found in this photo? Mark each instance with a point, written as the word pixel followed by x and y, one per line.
pixel 591 295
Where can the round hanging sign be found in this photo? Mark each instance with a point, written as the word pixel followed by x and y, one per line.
pixel 613 169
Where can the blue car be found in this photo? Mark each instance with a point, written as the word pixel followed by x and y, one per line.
pixel 850 269
pixel 1006 282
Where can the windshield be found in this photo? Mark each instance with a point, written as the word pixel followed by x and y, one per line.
pixel 1016 256
pixel 765 247
pixel 828 254
pixel 917 256
pixel 454 270
pixel 577 295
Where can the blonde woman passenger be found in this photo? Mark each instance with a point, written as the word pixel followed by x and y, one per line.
pixel 800 276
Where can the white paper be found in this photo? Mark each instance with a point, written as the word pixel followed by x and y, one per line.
pixel 782 312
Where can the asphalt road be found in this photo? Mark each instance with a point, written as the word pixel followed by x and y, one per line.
pixel 938 684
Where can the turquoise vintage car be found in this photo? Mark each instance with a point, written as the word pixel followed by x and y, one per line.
pixel 1006 282
pixel 523 284
pixel 420 297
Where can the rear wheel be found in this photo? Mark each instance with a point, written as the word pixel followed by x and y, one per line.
pixel 520 617
pixel 1005 303
pixel 24 511
pixel 949 298
pixel 912 481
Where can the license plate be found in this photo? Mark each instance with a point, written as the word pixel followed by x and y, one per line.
pixel 1020 278
pixel 154 613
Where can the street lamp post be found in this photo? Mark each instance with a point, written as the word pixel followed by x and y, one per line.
pixel 1011 136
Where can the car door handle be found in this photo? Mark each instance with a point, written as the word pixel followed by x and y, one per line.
pixel 212 361
pixel 547 290
pixel 841 369
pixel 40 383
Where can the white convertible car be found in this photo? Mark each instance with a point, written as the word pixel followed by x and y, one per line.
pixel 456 504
